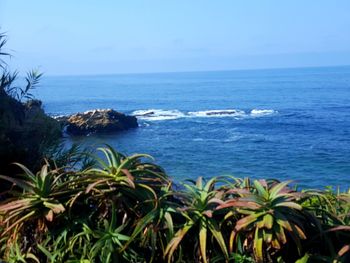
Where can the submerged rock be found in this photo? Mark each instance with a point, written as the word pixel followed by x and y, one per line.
pixel 97 121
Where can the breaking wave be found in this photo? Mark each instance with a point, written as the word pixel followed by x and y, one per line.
pixel 160 115
pixel 256 112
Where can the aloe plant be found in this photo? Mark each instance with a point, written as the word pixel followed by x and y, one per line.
pixel 123 173
pixel 105 240
pixel 270 216
pixel 200 202
pixel 156 228
pixel 138 190
pixel 36 199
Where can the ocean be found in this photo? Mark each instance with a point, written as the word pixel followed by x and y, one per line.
pixel 288 124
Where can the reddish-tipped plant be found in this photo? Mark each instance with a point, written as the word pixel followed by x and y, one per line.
pixel 270 217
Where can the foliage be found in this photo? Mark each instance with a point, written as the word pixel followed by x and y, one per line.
pixel 35 200
pixel 270 215
pixel 8 79
pixel 26 132
pixel 61 154
pixel 199 203
pixel 125 209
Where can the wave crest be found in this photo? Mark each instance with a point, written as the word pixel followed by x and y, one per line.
pixel 160 114
pixel 256 112
pixel 217 113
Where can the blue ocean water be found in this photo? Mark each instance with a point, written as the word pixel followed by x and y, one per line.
pixel 289 124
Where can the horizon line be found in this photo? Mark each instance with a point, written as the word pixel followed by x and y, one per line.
pixel 193 71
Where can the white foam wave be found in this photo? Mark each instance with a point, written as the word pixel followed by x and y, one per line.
pixel 57 116
pixel 217 113
pixel 257 113
pixel 160 114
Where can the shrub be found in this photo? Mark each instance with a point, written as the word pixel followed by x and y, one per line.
pixel 26 132
pixel 124 208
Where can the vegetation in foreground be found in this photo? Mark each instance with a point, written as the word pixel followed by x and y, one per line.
pixel 124 209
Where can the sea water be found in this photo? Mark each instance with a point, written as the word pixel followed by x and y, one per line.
pixel 289 124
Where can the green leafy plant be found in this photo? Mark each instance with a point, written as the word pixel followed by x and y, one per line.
pixel 271 216
pixel 200 201
pixel 332 212
pixel 156 228
pixel 36 199
pixel 107 239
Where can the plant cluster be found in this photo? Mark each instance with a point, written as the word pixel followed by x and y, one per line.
pixel 125 209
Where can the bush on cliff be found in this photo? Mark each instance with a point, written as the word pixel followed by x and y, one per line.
pixel 25 130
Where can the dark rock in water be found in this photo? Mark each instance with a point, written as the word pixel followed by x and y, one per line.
pixel 145 114
pixel 97 121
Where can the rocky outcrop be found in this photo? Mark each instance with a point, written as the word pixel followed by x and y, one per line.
pixel 97 121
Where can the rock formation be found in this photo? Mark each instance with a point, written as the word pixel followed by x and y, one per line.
pixel 97 121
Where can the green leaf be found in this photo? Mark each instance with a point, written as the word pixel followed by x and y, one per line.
pixel 279 231
pixel 142 223
pixel 203 240
pixel 268 221
pixel 170 225
pixel 175 242
pixel 21 183
pixel 275 190
pixel 47 253
pixel 258 245
pixel 215 231
pixel 304 259
pixel 267 234
pixel 246 221
pixel 55 207
pixel 292 205
pixel 261 190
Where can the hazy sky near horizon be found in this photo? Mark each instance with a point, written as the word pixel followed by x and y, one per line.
pixel 104 37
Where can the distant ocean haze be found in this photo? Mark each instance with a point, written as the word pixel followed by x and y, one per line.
pixel 289 124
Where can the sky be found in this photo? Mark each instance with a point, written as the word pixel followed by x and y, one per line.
pixel 138 36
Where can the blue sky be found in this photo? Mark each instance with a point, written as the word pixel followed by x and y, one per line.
pixel 127 36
